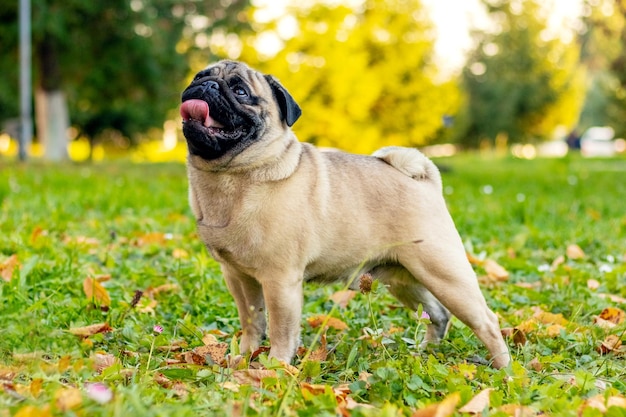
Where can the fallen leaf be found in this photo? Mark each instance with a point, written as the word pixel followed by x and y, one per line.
pixel 602 403
pixel 473 260
pixel 90 330
pixel 495 271
pixel 554 330
pixel 7 267
pixel 443 409
pixel 516 410
pixel 613 315
pixel 477 404
pixel 574 252
pixel 101 361
pixel 558 261
pixel 180 254
pixel 35 387
pixel 516 334
pixel 81 240
pixel 96 292
pixel 549 318
pixel 342 298
pixel 535 364
pixel 324 320
pixel 610 344
pixel 593 284
pixel 321 353
pixel 157 238
pixel 68 398
pixel 216 352
pixel 253 377
pixel 33 411
pixel 64 363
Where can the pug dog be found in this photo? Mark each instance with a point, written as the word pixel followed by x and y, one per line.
pixel 276 213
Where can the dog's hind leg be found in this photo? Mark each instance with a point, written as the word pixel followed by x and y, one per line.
pixel 442 267
pixel 410 292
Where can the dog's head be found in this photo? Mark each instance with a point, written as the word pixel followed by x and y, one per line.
pixel 229 107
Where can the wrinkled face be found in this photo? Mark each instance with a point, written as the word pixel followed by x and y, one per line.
pixel 227 106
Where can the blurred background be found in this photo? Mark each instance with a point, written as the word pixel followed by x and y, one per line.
pixel 527 77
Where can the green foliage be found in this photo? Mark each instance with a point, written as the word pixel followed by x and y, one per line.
pixel 520 83
pixel 119 62
pixel 67 223
pixel 363 77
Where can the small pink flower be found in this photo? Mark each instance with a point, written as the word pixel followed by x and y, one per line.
pixel 157 329
pixel 99 392
pixel 425 315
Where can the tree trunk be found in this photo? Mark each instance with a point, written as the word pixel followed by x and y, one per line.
pixel 52 116
pixel 52 123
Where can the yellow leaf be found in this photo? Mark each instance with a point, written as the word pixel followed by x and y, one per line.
pixel 443 409
pixel 253 377
pixel 516 410
pixel 179 253
pixel 554 330
pixel 35 387
pixel 593 284
pixel 7 267
pixel 477 404
pixel 613 315
pixel 574 252
pixel 32 411
pixel 68 398
pixel 324 320
pixel 96 292
pixel 550 318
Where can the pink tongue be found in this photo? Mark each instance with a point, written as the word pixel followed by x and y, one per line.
pixel 197 110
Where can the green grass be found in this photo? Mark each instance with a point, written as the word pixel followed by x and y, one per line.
pixel 522 214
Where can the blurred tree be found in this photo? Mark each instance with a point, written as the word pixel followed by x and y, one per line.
pixel 521 82
pixel 364 77
pixel 604 54
pixel 114 67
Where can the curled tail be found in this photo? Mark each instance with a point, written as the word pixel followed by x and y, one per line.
pixel 410 162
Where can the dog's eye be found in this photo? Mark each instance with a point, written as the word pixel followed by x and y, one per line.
pixel 239 91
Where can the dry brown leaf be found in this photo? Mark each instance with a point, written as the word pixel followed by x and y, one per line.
pixel 147 305
pixel 574 252
pixel 253 377
pixel 96 292
pixel 443 409
pixel 102 360
pixel 610 344
pixel 171 287
pixel 495 271
pixel 342 298
pixel 209 339
pixel 216 352
pixel 7 267
pixel 324 320
pixel 477 404
pixel 90 330
pixel 535 364
pixel 516 334
pixel 613 315
pixel 321 353
pixel 68 398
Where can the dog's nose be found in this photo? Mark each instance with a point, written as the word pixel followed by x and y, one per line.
pixel 210 84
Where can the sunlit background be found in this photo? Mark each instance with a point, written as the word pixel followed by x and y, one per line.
pixel 523 77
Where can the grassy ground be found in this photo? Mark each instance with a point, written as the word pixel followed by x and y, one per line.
pixel 88 238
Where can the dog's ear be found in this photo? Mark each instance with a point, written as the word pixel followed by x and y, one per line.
pixel 289 109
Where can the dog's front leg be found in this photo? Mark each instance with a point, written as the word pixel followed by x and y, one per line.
pixel 283 298
pixel 248 295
